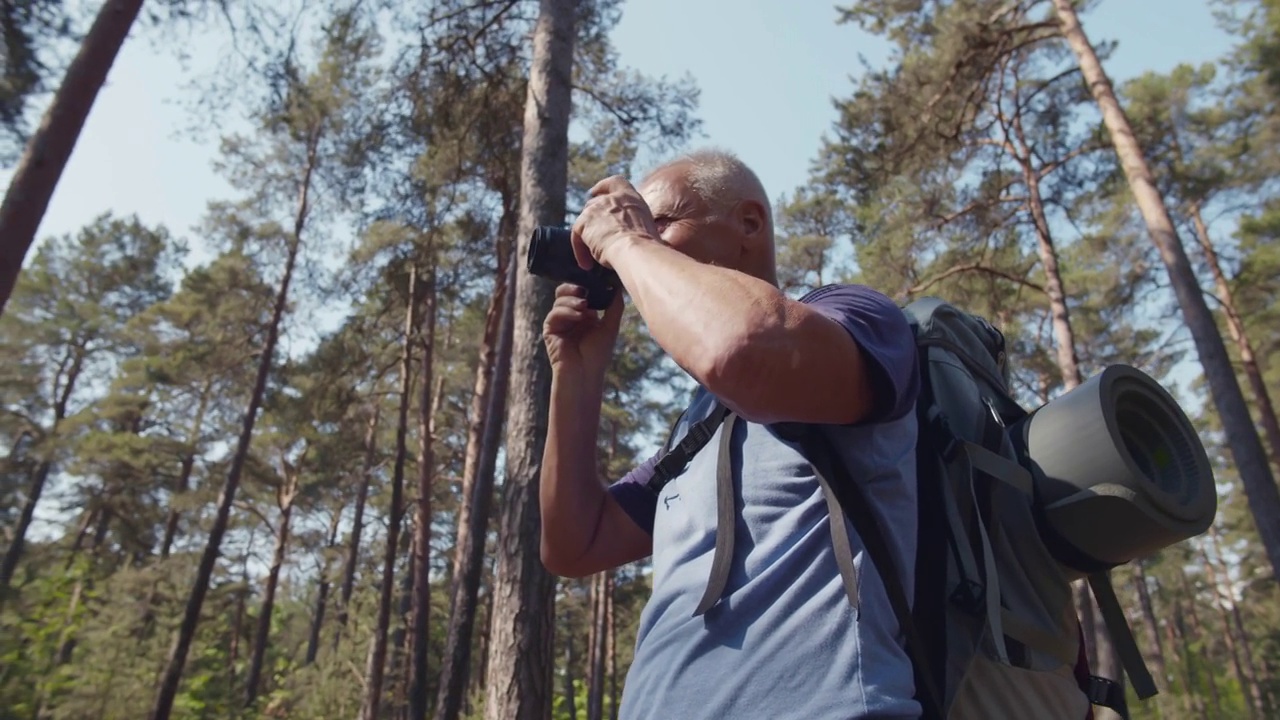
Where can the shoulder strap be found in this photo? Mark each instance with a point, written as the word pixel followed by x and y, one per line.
pixel 674 461
pixel 854 502
pixel 726 519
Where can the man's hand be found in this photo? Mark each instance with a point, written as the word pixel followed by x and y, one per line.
pixel 577 336
pixel 614 211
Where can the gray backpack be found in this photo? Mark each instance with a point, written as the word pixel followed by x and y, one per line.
pixel 1014 506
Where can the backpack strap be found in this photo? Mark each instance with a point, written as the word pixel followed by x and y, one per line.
pixel 726 519
pixel 858 509
pixel 677 458
pixel 1122 635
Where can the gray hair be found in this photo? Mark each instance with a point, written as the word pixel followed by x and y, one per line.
pixel 722 179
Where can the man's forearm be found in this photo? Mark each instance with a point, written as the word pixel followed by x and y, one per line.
pixel 722 326
pixel 570 492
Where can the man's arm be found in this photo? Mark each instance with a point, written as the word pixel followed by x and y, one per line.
pixel 746 342
pixel 584 528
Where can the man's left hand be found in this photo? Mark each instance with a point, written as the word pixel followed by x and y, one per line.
pixel 614 211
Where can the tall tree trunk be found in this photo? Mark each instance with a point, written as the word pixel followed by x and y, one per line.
pixel 520 645
pixel 478 683
pixel 322 592
pixel 1220 575
pixel 377 656
pixel 1235 325
pixel 1197 629
pixel 477 499
pixel 426 468
pixel 237 620
pixel 1178 637
pixel 262 635
pixel 1153 625
pixel 168 689
pixel 1100 650
pixel 183 483
pixel 495 319
pixel 47 153
pixel 1248 689
pixel 397 667
pixel 570 692
pixel 1237 423
pixel 357 524
pixel 611 646
pixel 41 475
pixel 595 670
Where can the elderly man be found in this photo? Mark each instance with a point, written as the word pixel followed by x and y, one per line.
pixel 752 620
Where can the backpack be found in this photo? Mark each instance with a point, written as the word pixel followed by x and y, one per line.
pixel 991 630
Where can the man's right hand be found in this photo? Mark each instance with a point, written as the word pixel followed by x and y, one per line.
pixel 578 337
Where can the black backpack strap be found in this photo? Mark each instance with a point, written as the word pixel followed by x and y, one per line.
pixel 726 519
pixel 1122 636
pixel 674 461
pixel 858 509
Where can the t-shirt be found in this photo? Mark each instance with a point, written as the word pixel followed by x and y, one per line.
pixel 783 641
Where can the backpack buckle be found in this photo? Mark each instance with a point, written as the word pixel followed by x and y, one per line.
pixel 970 596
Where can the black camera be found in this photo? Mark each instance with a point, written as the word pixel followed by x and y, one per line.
pixel 551 256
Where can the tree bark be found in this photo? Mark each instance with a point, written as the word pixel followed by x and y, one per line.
pixel 1237 423
pixel 1235 325
pixel 477 499
pixel 611 646
pixel 322 592
pixel 168 689
pixel 357 524
pixel 426 464
pixel 520 646
pixel 50 148
pixel 595 669
pixel 378 654
pixel 262 635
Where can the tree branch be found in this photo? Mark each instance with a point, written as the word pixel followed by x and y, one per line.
pixel 973 267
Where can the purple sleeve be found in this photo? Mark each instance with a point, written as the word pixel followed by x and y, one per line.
pixel 633 494
pixel 881 329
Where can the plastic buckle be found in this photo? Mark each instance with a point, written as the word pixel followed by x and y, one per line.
pixel 1101 691
pixel 970 596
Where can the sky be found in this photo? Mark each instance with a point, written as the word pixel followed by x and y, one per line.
pixel 767 70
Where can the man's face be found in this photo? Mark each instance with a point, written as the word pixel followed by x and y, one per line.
pixel 686 222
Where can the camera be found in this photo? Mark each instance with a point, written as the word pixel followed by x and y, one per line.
pixel 551 256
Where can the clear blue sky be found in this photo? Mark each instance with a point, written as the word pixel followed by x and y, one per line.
pixel 767 70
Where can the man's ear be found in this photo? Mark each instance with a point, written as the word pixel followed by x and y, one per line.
pixel 752 217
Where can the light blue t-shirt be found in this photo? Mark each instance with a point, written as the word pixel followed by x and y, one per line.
pixel 783 641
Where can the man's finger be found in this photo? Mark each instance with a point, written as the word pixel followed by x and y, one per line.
pixel 561 320
pixel 570 290
pixel 571 301
pixel 613 183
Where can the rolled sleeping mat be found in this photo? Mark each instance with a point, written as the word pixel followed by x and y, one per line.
pixel 1119 471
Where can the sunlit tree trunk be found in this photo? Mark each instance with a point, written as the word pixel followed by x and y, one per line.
pixel 519 675
pixel 1237 423
pixel 50 148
